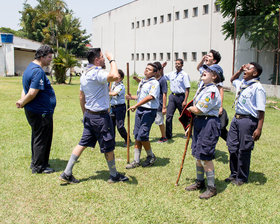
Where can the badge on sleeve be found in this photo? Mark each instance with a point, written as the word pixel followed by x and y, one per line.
pixel 212 95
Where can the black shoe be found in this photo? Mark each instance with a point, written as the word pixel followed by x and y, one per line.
pixel 237 182
pixel 48 170
pixel 198 185
pixel 132 165
pixel 150 160
pixel 68 179
pixel 210 192
pixel 117 178
pixel 229 179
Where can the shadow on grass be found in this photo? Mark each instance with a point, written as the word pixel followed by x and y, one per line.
pixel 257 178
pixel 221 156
pixel 161 161
pixel 58 164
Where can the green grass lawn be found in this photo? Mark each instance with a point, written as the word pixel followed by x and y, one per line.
pixel 150 196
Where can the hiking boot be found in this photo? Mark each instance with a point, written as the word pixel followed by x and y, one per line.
pixel 68 179
pixel 162 140
pixel 210 192
pixel 237 182
pixel 132 165
pixel 229 179
pixel 117 178
pixel 150 160
pixel 198 185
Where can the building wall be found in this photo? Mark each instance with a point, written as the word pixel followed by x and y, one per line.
pixel 125 32
pixel 22 59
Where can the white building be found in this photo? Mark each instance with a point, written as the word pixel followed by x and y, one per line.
pixel 15 56
pixel 162 30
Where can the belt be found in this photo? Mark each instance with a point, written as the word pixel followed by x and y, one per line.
pixel 240 116
pixel 97 112
pixel 118 105
pixel 178 94
pixel 205 116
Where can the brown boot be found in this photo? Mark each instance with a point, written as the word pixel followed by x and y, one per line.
pixel 210 192
pixel 199 184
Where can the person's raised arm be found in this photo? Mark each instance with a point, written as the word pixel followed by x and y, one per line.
pixel 237 74
pixel 201 62
pixel 113 74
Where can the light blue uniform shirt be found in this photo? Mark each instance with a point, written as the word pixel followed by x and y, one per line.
pixel 119 88
pixel 95 87
pixel 208 101
pixel 146 88
pixel 251 100
pixel 178 82
pixel 201 70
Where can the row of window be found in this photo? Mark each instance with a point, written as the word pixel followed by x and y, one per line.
pixel 168 18
pixel 164 56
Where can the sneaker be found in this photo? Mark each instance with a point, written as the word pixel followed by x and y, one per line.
pixel 150 160
pixel 68 179
pixel 198 185
pixel 229 179
pixel 132 165
pixel 210 192
pixel 237 182
pixel 117 178
pixel 162 140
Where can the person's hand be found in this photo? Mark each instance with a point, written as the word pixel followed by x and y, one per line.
pixel 163 110
pixel 19 104
pixel 109 56
pixel 257 134
pixel 204 58
pixel 220 110
pixel 164 64
pixel 132 108
pixel 242 68
pixel 128 97
pixel 184 104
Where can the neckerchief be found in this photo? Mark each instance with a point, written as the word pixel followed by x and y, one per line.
pixel 242 87
pixel 115 85
pixel 143 81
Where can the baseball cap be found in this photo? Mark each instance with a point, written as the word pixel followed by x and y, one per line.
pixel 217 69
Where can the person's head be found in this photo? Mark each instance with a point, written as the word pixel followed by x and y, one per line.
pixel 121 75
pixel 252 70
pixel 213 57
pixel 150 70
pixel 159 66
pixel 44 55
pixel 179 63
pixel 95 57
pixel 212 74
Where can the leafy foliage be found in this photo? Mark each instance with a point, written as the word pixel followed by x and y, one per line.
pixel 257 21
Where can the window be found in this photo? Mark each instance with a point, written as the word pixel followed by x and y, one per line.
pixel 142 56
pixel 193 56
pixel 155 20
pixel 148 22
pixel 168 56
pixel 169 17
pixel 185 56
pixel 161 56
pixel 132 57
pixel 161 19
pixel 137 57
pixel 148 56
pixel 132 25
pixel 203 53
pixel 195 12
pixel 217 6
pixel 186 13
pixel 143 23
pixel 176 55
pixel 154 56
pixel 177 15
pixel 205 9
pixel 137 26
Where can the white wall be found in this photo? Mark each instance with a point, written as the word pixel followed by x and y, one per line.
pixel 22 60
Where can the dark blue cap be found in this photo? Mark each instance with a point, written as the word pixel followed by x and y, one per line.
pixel 217 69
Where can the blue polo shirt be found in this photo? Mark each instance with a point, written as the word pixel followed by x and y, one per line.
pixel 45 101
pixel 163 89
pixel 179 82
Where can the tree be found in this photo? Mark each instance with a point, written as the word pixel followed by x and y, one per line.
pixel 257 21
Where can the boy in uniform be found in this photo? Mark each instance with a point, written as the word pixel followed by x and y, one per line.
pixel 147 104
pixel 118 107
pixel 206 129
pixel 247 123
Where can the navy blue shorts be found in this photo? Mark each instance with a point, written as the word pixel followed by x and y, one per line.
pixel 206 133
pixel 144 118
pixel 98 127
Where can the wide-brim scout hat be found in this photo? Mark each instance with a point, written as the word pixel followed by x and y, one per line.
pixel 217 69
pixel 185 117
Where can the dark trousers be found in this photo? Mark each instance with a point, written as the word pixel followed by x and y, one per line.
pixel 175 102
pixel 240 144
pixel 41 139
pixel 118 115
pixel 224 122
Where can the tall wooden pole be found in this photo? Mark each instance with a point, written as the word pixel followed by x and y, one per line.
pixel 277 63
pixel 128 114
pixel 234 41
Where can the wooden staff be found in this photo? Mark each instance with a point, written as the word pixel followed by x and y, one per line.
pixel 128 115
pixel 185 151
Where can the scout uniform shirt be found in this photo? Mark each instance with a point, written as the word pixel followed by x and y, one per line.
pixel 250 97
pixel 119 88
pixel 179 82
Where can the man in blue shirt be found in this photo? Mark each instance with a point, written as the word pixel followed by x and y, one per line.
pixel 38 99
pixel 98 126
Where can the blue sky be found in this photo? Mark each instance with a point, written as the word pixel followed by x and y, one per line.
pixel 83 9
